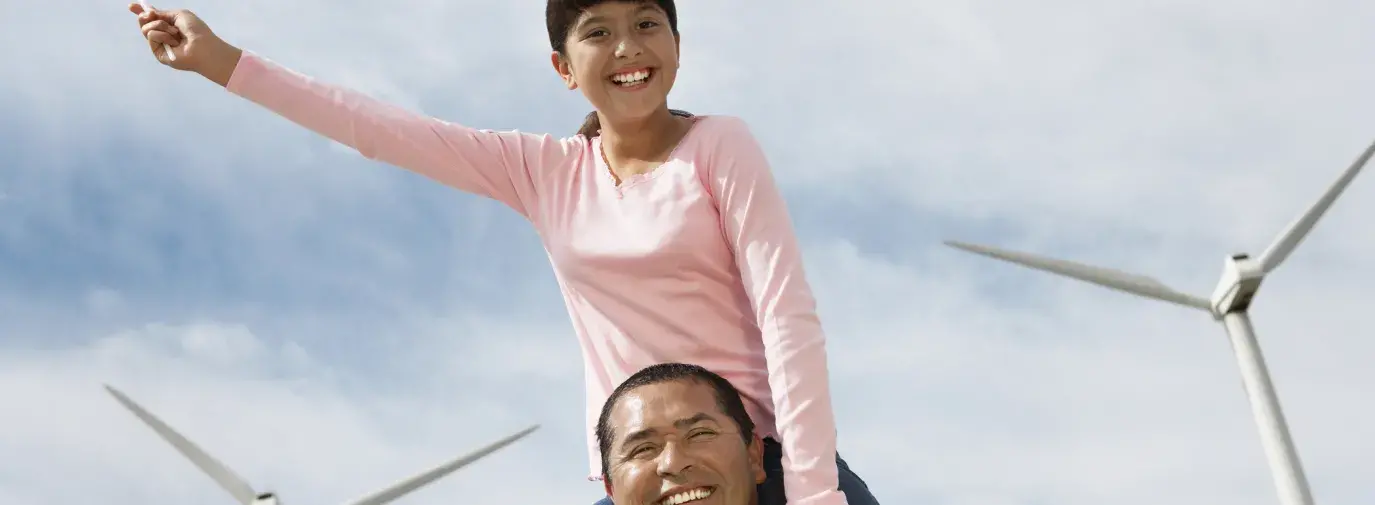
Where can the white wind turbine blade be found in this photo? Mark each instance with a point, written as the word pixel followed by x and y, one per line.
pixel 1113 279
pixel 1287 241
pixel 406 486
pixel 226 478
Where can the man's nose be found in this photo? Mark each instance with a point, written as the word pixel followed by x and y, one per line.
pixel 628 47
pixel 673 460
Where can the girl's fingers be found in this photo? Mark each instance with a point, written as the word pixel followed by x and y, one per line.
pixel 161 37
pixel 160 26
pixel 146 16
pixel 151 15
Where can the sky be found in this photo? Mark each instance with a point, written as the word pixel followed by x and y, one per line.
pixel 326 324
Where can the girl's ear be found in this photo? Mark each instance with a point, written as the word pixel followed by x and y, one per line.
pixel 564 70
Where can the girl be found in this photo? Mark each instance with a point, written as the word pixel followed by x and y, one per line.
pixel 667 235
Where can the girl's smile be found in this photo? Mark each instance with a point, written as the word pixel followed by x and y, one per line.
pixel 633 79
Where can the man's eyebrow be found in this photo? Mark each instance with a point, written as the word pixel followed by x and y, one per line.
pixel 681 424
pixel 637 436
pixel 686 423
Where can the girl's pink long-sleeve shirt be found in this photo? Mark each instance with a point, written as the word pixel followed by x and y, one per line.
pixel 695 261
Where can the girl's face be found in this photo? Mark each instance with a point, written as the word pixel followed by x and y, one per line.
pixel 623 55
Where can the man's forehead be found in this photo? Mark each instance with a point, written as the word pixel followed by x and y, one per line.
pixel 663 405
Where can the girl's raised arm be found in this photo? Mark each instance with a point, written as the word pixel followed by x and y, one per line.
pixel 504 166
pixel 500 165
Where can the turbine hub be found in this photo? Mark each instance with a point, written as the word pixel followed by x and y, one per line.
pixel 1241 278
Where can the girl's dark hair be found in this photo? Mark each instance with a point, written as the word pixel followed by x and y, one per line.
pixel 559 16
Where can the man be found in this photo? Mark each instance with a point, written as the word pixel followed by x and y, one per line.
pixel 675 434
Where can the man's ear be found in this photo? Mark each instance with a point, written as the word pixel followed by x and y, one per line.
pixel 756 450
pixel 678 48
pixel 564 70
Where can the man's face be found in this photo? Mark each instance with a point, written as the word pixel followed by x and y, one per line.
pixel 671 445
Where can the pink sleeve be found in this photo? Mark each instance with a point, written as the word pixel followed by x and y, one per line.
pixel 756 222
pixel 498 165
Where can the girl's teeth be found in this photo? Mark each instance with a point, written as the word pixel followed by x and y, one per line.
pixel 631 78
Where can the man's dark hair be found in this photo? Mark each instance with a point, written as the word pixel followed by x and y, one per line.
pixel 727 399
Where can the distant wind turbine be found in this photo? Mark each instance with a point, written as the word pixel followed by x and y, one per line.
pixel 244 494
pixel 1231 300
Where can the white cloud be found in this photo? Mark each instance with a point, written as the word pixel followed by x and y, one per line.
pixel 258 287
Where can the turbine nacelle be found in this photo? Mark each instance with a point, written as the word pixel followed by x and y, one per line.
pixel 1236 289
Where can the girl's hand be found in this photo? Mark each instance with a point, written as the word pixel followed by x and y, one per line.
pixel 196 47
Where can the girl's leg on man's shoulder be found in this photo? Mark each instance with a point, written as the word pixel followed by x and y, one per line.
pixel 604 501
pixel 771 491
pixel 855 489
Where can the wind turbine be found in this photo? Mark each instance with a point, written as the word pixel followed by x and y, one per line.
pixel 244 494
pixel 1230 303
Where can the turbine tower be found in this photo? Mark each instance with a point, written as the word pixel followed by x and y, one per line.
pixel 1230 304
pixel 244 494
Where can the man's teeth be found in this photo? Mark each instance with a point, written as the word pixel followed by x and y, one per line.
pixel 631 78
pixel 687 496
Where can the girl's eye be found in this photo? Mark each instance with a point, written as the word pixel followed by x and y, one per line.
pixel 597 33
pixel 645 25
